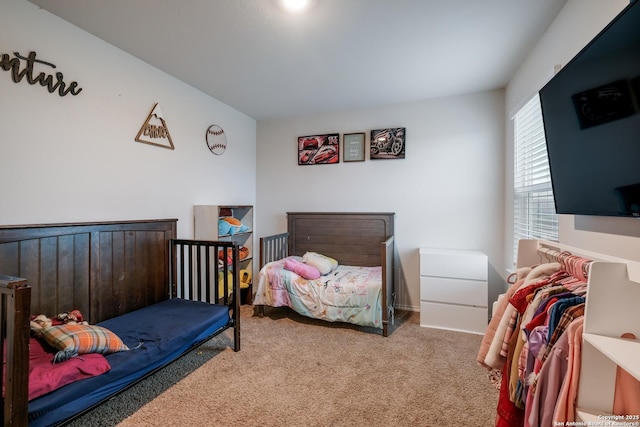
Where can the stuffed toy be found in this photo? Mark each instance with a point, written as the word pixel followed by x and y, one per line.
pixel 38 323
pixel 72 317
pixel 221 283
pixel 229 258
pixel 245 278
pixel 232 221
pixel 41 321
pixel 225 228
pixel 243 252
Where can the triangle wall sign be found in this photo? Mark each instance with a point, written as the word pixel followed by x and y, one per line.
pixel 154 131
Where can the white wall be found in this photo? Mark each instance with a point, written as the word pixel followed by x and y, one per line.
pixel 69 158
pixel 447 192
pixel 577 23
pixel 74 158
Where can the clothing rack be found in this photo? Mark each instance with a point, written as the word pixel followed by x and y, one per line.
pixel 534 251
pixel 610 318
pixel 576 266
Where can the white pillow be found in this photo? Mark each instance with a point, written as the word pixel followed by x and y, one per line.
pixel 323 263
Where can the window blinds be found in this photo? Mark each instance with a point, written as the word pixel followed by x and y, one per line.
pixel 534 214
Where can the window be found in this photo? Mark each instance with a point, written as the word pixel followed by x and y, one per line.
pixel 534 213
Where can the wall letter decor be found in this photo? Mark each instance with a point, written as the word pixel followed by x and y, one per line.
pixel 13 65
pixel 154 131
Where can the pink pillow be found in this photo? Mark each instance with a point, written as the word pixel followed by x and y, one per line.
pixel 45 376
pixel 308 272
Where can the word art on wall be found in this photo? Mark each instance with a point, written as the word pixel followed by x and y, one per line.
pixel 22 67
pixel 154 131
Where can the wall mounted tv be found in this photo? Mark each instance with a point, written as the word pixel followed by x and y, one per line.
pixel 592 123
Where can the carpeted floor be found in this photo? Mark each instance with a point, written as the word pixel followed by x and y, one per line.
pixel 294 371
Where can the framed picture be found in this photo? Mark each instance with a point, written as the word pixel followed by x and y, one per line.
pixel 388 143
pixel 319 149
pixel 353 147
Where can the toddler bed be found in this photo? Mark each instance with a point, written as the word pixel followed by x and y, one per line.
pixel 148 298
pixel 331 266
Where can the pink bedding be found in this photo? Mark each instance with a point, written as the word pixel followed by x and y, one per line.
pixel 45 376
pixel 347 294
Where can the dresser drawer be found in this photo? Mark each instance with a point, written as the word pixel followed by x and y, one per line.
pixel 454 291
pixel 452 317
pixel 462 264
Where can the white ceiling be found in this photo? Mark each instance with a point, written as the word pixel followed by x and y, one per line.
pixel 342 54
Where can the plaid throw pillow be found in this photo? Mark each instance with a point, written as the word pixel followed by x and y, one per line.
pixel 72 340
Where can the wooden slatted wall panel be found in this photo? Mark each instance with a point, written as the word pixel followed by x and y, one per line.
pixel 57 268
pixel 78 266
pixel 133 271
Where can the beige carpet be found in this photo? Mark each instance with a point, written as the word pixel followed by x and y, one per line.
pixel 294 371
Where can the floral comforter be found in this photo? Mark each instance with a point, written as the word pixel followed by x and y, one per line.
pixel 347 294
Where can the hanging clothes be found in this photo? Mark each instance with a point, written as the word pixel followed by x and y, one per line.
pixel 541 407
pixel 567 397
pixel 626 398
pixel 535 338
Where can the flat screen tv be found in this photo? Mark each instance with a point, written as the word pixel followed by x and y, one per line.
pixel 592 125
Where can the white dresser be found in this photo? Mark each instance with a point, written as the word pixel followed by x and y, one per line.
pixel 454 289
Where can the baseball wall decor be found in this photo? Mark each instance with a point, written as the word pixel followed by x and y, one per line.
pixel 216 139
pixel 154 131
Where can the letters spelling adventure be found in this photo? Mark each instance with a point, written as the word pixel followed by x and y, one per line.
pixel 13 64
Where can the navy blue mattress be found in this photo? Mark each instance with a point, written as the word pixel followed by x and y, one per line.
pixel 166 330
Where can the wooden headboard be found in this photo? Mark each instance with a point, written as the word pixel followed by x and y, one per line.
pixel 83 265
pixel 350 238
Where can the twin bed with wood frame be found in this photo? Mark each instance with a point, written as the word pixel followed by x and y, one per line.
pixel 353 240
pixel 162 296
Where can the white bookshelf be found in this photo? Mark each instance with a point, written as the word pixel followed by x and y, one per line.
pixel 205 225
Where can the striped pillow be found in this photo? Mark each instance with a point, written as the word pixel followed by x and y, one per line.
pixel 72 340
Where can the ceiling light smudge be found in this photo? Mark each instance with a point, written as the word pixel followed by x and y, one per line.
pixel 296 6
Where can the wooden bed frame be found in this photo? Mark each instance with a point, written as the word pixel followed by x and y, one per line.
pixel 103 269
pixel 359 239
